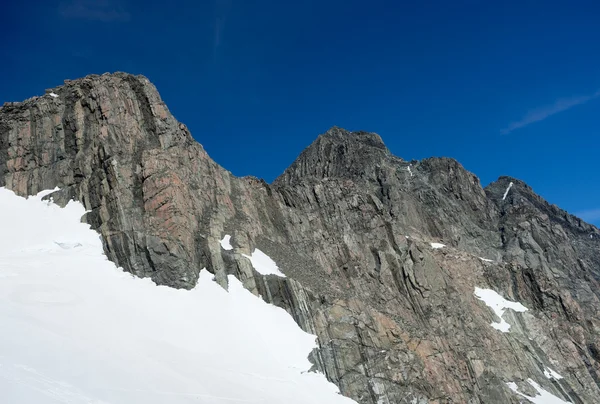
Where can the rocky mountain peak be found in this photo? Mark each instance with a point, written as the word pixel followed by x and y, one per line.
pixel 342 136
pixel 513 196
pixel 338 153
pixel 91 83
pixel 96 117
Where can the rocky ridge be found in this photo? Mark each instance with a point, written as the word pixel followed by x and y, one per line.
pixel 350 225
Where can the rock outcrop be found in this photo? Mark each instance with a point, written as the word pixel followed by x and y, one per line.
pixel 350 225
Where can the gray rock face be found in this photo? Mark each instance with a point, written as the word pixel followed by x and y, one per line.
pixel 350 225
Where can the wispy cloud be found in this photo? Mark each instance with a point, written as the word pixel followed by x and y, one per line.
pixel 591 216
pixel 539 114
pixel 94 10
pixel 222 8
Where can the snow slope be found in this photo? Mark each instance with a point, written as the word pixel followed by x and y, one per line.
pixel 76 329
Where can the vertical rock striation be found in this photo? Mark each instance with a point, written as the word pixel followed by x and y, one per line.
pixel 350 225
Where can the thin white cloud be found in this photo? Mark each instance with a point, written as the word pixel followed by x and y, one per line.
pixel 592 215
pixel 539 114
pixel 222 8
pixel 94 10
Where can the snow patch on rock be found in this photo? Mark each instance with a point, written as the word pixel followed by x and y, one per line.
pixel 499 305
pixel 552 374
pixel 543 397
pixel 507 189
pixel 226 243
pixel 263 264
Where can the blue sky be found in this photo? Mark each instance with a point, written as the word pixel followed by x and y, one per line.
pixel 506 87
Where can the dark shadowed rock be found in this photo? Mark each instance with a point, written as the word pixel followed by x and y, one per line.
pixel 351 226
pixel 338 153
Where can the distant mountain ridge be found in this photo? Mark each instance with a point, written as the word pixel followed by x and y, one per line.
pixel 351 227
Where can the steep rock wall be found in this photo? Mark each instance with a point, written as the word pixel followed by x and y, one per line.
pixel 350 225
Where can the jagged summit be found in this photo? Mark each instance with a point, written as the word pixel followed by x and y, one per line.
pixel 89 81
pixel 338 153
pixel 519 196
pixel 342 135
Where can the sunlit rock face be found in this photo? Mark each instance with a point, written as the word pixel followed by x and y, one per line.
pixel 381 257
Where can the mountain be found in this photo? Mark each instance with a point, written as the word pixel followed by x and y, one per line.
pixel 399 268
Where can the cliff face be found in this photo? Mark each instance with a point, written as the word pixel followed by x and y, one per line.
pixel 350 225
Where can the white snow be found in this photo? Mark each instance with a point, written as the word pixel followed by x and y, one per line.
pixel 45 192
pixel 76 329
pixel 263 264
pixel 53 95
pixel 507 189
pixel 552 374
pixel 486 259
pixel 409 170
pixel 543 397
pixel 225 243
pixel 437 245
pixel 498 304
